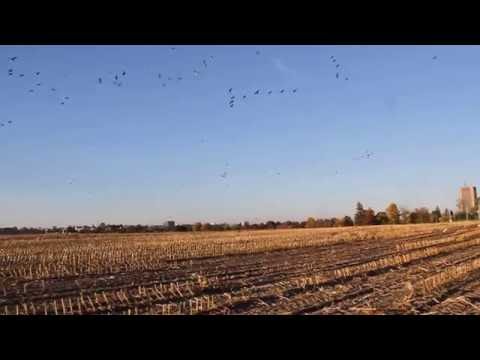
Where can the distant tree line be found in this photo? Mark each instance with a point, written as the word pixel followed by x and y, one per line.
pixel 391 215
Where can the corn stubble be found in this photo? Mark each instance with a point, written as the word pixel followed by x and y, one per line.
pixel 430 268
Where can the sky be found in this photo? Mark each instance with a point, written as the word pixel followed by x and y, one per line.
pixel 143 153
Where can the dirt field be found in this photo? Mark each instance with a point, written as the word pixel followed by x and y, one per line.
pixel 414 269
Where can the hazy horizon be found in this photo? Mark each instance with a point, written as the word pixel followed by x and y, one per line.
pixel 143 153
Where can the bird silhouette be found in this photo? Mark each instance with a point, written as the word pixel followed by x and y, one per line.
pixel 179 78
pixel 172 48
pixel 346 78
pixel 294 90
pixel 31 90
pixel 100 80
pixel 37 73
pixel 116 77
pixel 334 60
pixel 67 98
pixel 282 91
pixel 38 84
pixel 231 105
pixel 337 75
pixel 256 92
pixel 53 89
pixel 21 75
pixel 337 66
pixel 13 58
pixel 269 92
pixel 230 90
pixel 9 121
pixel 232 97
pixel 434 58
pixel 244 97
pixel 124 73
pixel 62 103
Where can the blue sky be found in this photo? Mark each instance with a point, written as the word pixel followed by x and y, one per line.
pixel 144 153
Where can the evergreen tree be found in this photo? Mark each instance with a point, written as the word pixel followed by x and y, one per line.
pixel 360 215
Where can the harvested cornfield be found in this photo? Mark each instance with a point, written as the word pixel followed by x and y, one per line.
pixel 400 269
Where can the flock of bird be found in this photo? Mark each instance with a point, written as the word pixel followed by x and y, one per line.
pixel 118 80
pixel 337 67
pixel 257 92
pixel 35 80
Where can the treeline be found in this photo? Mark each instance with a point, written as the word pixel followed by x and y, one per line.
pixel 363 216
pixel 392 215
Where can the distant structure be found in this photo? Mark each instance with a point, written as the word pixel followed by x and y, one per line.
pixel 169 225
pixel 467 201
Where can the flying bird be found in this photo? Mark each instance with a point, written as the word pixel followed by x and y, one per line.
pixel 62 103
pixel 337 66
pixel 124 73
pixel 116 77
pixel 100 80
pixel 21 75
pixel 434 58
pixel 9 121
pixel 337 75
pixel 256 92
pixel 294 90
pixel 159 76
pixel 13 58
pixel 31 90
pixel 346 78
pixel 53 89
pixel 39 84
pixel 172 48
pixel 232 97
pixel 37 73
pixel 334 60
pixel 179 78
pixel 66 98
pixel 282 91
pixel 230 90
pixel 269 92
pixel 244 97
